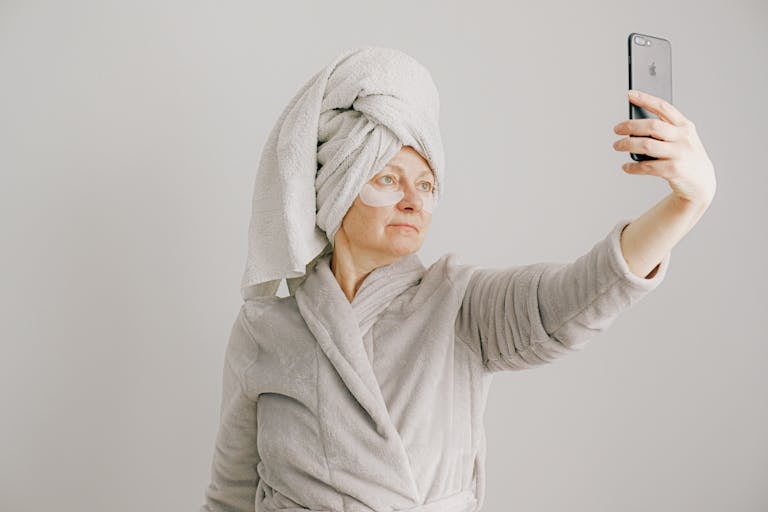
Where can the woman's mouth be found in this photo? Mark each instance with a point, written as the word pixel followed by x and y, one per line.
pixel 405 226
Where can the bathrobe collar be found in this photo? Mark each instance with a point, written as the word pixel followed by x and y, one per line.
pixel 339 325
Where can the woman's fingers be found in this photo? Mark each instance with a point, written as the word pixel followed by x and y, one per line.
pixel 673 141
pixel 653 137
pixel 646 146
pixel 662 108
pixel 655 128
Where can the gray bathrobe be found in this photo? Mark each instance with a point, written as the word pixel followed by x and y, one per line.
pixel 377 404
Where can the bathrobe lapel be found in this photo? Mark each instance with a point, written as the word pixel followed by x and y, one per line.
pixel 339 325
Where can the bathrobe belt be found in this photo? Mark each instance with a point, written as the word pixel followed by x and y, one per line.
pixel 464 501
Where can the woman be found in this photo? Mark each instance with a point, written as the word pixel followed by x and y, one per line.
pixel 365 388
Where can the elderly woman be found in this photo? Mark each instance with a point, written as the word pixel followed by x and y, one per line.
pixel 364 389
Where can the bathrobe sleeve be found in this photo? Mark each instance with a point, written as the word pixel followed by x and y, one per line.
pixel 233 481
pixel 525 316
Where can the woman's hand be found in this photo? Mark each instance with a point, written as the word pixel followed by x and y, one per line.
pixel 672 138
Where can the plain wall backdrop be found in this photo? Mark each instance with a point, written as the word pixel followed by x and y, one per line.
pixel 130 133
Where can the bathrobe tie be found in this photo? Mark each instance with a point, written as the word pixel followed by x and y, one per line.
pixel 464 501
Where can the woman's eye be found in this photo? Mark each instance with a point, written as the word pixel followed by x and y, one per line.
pixel 428 186
pixel 387 178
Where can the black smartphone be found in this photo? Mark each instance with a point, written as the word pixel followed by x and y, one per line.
pixel 650 70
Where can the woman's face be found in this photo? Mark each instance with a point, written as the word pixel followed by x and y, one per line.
pixel 380 231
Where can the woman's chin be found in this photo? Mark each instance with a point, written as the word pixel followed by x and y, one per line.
pixel 405 247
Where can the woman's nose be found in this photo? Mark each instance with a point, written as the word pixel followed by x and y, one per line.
pixel 411 198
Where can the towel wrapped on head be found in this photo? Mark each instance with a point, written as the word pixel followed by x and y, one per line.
pixel 337 132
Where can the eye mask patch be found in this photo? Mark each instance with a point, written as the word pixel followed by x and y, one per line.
pixel 372 196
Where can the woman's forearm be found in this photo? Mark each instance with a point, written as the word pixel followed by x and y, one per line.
pixel 646 240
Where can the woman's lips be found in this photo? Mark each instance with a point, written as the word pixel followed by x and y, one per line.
pixel 405 226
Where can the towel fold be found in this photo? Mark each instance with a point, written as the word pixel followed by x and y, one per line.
pixel 339 129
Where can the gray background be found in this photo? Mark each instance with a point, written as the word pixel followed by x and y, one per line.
pixel 129 137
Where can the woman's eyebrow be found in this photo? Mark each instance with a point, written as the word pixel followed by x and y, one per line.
pixel 400 168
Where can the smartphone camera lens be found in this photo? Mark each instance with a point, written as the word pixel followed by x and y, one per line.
pixel 641 41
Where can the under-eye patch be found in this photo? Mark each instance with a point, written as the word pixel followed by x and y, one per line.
pixel 373 196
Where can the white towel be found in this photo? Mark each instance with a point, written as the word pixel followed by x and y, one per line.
pixel 339 130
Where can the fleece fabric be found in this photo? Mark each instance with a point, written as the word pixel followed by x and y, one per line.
pixel 378 404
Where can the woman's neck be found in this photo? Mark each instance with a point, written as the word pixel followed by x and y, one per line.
pixel 350 271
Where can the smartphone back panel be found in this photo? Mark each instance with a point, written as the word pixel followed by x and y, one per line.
pixel 650 70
